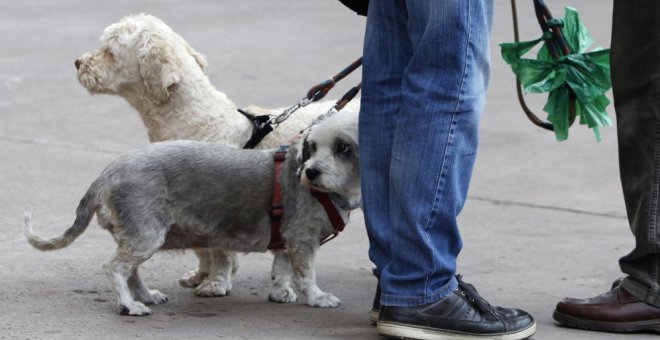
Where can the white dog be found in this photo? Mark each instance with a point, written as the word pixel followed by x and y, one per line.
pixel 155 70
pixel 186 194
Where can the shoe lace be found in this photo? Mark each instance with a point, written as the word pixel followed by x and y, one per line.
pixel 470 292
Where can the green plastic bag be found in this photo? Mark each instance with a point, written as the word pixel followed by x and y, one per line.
pixel 586 73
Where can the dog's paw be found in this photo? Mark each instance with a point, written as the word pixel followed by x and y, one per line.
pixel 284 295
pixel 323 300
pixel 192 279
pixel 210 288
pixel 135 308
pixel 155 298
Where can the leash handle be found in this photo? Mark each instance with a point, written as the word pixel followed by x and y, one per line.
pixel 556 46
pixel 557 43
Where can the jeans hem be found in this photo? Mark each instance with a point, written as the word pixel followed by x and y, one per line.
pixel 412 301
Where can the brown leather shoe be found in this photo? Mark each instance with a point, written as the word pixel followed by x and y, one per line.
pixel 615 311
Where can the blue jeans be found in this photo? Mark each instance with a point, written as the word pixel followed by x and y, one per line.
pixel 425 73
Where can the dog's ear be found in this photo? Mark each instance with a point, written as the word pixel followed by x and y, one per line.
pixel 158 69
pixel 199 58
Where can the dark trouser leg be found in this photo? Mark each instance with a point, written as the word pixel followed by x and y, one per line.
pixel 636 87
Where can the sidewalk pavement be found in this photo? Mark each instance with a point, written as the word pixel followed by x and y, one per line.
pixel 543 219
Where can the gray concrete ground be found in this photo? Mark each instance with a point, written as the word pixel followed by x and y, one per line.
pixel 543 219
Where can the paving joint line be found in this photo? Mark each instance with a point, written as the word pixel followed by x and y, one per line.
pixel 546 207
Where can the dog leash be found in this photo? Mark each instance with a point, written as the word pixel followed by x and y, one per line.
pixel 551 28
pixel 263 125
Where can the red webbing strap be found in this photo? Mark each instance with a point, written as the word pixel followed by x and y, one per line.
pixel 276 209
pixel 334 215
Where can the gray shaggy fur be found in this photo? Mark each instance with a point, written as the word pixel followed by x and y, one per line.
pixel 188 194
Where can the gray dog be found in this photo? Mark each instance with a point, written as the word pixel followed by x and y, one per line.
pixel 187 194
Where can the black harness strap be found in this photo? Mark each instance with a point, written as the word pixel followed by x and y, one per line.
pixel 260 128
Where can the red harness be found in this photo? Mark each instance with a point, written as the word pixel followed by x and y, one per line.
pixel 276 210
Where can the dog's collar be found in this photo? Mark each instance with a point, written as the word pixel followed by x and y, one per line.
pixel 277 211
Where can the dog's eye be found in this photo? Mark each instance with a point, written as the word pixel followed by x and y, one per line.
pixel 312 147
pixel 342 149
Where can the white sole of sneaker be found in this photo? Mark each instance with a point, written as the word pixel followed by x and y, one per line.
pixel 373 317
pixel 410 332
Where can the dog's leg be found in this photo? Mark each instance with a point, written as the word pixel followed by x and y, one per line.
pixel 194 277
pixel 304 276
pixel 130 254
pixel 218 281
pixel 281 273
pixel 142 292
pixel 118 270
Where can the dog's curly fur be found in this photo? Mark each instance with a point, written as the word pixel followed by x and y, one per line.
pixel 154 69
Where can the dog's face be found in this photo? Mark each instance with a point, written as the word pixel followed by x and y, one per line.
pixel 140 54
pixel 329 157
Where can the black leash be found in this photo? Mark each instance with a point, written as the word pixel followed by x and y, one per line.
pixel 263 125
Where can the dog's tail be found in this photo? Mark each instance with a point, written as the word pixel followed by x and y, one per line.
pixel 84 214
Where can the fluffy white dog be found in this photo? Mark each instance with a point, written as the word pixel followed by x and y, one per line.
pixel 158 73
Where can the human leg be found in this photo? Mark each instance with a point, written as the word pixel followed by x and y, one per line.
pixel 434 146
pixel 636 88
pixel 386 52
pixel 419 133
pixel 634 303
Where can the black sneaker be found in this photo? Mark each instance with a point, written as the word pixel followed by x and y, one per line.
pixel 462 314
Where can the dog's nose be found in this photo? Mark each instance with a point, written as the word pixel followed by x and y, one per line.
pixel 311 173
pixel 77 62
